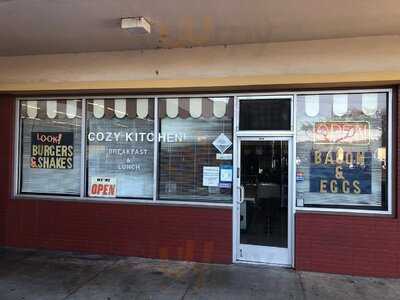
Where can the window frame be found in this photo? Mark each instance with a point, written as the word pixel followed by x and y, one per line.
pixel 17 151
pixel 388 209
pixel 392 133
pixel 85 193
pixel 158 166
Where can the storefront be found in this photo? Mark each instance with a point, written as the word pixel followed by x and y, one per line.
pixel 225 177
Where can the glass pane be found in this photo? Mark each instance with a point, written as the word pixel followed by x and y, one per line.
pixel 264 185
pixel 265 114
pixel 121 148
pixel 342 150
pixel 198 165
pixel 51 147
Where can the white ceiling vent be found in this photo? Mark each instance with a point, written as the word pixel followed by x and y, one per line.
pixel 136 25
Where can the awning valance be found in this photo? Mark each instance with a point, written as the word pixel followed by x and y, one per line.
pixel 51 109
pixel 196 107
pixel 142 108
pixel 368 104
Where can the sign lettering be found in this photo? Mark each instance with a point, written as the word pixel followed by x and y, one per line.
pixel 340 172
pixel 103 187
pixel 342 133
pixel 52 150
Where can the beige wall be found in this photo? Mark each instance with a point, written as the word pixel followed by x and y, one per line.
pixel 362 60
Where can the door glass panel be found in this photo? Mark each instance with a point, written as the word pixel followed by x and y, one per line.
pixel 265 114
pixel 264 192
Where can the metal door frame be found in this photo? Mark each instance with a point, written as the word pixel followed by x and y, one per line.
pixel 263 135
pixel 236 210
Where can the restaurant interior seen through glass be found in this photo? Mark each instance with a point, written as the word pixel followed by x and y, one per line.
pixel 183 149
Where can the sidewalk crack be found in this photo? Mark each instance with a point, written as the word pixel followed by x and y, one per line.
pixel 106 268
pixel 303 290
pixel 192 282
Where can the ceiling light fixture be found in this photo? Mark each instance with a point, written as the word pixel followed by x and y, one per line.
pixel 136 25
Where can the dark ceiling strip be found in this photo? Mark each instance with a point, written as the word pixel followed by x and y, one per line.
pixel 162 108
pixel 61 109
pixel 229 108
pixel 42 109
pixel 89 106
pixel 79 108
pixel 151 109
pixel 207 108
pixel 109 108
pixel 131 108
pixel 184 107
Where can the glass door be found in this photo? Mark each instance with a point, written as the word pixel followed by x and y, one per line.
pixel 263 203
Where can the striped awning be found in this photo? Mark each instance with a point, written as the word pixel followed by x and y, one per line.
pixel 51 109
pixel 340 104
pixel 217 107
pixel 142 108
pixel 132 108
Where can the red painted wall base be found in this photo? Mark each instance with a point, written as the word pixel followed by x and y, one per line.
pixel 362 245
pixel 6 161
pixel 167 232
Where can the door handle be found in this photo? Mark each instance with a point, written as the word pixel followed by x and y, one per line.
pixel 241 198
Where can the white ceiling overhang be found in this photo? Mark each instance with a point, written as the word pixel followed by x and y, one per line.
pixel 59 26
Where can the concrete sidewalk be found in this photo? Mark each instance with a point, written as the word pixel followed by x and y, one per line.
pixel 60 275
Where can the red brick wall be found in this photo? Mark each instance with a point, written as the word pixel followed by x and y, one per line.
pixel 198 234
pixel 171 232
pixel 348 245
pixel 6 134
pixel 357 245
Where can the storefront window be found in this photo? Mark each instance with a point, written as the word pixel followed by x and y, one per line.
pixel 120 149
pixel 342 150
pixel 195 149
pixel 50 147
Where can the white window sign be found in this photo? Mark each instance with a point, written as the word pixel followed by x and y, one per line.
pixel 224 156
pixel 222 143
pixel 211 176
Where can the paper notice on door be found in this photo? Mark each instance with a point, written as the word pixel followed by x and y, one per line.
pixel 211 176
